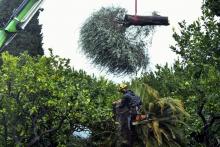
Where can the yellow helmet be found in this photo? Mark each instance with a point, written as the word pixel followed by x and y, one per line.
pixel 122 87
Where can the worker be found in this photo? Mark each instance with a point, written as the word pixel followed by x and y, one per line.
pixel 129 107
pixel 129 100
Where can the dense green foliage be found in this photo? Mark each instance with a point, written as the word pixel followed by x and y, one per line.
pixel 195 78
pixel 112 45
pixel 29 39
pixel 213 5
pixel 43 101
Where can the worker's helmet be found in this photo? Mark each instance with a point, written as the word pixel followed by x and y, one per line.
pixel 122 87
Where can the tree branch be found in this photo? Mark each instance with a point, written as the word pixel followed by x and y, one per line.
pixel 54 129
pixel 213 120
pixel 199 112
pixel 37 137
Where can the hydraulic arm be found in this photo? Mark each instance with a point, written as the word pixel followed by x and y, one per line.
pixel 18 21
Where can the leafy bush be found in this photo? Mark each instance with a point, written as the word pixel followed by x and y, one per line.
pixel 43 101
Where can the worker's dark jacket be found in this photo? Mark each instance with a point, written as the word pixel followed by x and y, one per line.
pixel 130 100
pixel 128 107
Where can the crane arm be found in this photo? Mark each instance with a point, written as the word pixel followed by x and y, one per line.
pixel 18 20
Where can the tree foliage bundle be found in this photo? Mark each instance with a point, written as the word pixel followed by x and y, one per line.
pixel 109 43
pixel 29 39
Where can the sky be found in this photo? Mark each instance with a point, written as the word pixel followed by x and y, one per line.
pixel 62 19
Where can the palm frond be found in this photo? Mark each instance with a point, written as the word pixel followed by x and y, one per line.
pixel 164 115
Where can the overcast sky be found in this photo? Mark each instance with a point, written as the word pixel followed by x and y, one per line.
pixel 62 20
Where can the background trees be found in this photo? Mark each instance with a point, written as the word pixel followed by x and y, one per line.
pixel 198 45
pixel 195 77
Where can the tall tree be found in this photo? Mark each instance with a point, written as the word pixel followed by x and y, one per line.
pixel 196 77
pixel 29 39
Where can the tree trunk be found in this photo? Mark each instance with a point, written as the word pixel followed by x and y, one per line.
pixel 146 20
pixel 5 130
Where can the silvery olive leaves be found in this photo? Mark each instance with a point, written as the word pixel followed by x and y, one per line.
pixel 111 45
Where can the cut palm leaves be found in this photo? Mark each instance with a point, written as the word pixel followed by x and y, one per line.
pixel 164 117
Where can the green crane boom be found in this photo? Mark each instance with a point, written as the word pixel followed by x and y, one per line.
pixel 18 21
